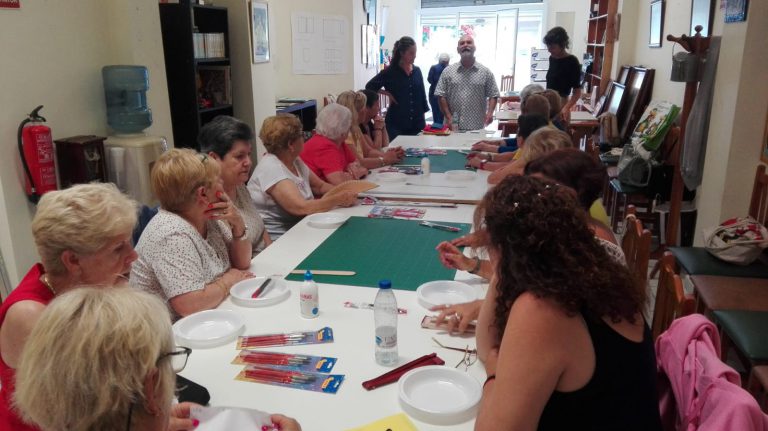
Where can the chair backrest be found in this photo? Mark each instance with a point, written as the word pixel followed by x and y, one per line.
pixel 671 301
pixel 507 83
pixel 758 206
pixel 636 244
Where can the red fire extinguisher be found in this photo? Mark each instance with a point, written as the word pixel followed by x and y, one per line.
pixel 36 151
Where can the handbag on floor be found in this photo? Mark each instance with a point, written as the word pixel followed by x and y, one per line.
pixel 737 240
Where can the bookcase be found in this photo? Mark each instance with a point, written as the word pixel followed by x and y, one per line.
pixel 601 34
pixel 196 46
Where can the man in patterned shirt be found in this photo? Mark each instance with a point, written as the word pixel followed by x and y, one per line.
pixel 467 90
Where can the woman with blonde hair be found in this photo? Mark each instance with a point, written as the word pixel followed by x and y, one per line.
pixel 282 186
pixel 367 156
pixel 196 248
pixel 540 142
pixel 83 236
pixel 118 375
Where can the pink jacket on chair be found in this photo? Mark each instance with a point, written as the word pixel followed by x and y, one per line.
pixel 706 391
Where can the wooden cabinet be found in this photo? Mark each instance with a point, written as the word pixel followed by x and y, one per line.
pixel 601 33
pixel 196 47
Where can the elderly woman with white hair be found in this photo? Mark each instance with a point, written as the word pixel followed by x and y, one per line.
pixel 282 186
pixel 326 154
pixel 117 376
pixel 83 236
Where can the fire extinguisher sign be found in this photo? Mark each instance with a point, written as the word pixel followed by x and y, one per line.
pixel 10 4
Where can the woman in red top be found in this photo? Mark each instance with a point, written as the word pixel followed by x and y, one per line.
pixel 326 154
pixel 83 236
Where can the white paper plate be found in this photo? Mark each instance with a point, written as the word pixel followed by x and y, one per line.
pixel 462 175
pixel 439 395
pixel 276 292
pixel 391 177
pixel 327 220
pixel 442 292
pixel 209 328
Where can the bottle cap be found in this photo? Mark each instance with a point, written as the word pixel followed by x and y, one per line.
pixel 385 284
pixel 308 275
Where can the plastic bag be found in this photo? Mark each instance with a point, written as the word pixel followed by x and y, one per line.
pixel 737 240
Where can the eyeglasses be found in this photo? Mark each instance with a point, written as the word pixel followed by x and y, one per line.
pixel 470 355
pixel 178 356
pixel 203 158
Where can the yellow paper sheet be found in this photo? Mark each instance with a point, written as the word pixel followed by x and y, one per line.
pixel 398 422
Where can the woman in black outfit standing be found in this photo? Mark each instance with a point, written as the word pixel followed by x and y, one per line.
pixel 564 71
pixel 403 83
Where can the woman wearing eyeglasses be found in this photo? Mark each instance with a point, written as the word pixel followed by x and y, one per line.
pixel 83 236
pixel 78 373
pixel 196 247
pixel 561 332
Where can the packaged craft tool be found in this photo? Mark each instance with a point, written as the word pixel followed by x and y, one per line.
pixel 440 226
pixel 369 306
pixel 371 200
pixel 406 169
pixel 286 361
pixel 324 335
pixel 308 381
pixel 380 211
pixel 418 152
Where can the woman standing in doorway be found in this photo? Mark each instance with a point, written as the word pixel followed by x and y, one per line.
pixel 564 72
pixel 403 83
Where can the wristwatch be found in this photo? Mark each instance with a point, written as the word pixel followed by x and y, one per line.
pixel 242 235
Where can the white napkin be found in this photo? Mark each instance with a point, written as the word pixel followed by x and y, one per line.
pixel 229 418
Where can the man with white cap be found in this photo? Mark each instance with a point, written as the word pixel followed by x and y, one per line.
pixel 433 77
pixel 467 90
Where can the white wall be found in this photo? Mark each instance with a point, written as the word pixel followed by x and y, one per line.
pixel 254 84
pixel 580 9
pixel 402 20
pixel 738 118
pixel 288 84
pixel 53 54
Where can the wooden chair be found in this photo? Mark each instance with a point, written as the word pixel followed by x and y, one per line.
pixel 507 83
pixel 671 301
pixel 636 244
pixel 697 261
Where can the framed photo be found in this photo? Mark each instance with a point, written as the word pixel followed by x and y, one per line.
pixel 613 99
pixel 260 32
pixel 657 23
pixel 702 12
pixel 736 10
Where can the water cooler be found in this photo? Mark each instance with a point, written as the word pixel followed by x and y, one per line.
pixel 130 153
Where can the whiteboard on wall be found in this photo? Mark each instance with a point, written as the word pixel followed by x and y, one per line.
pixel 320 44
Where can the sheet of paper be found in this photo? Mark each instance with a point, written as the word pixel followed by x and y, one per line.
pixel 229 418
pixel 320 44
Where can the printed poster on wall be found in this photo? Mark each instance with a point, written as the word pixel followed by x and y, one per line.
pixel 320 44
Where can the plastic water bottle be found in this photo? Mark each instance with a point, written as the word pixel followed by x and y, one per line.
pixel 385 320
pixel 309 299
pixel 425 168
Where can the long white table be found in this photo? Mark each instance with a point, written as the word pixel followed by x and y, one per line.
pixel 353 342
pixel 454 141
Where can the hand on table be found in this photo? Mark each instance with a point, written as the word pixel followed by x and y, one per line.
pixel 234 275
pixel 392 155
pixel 356 170
pixel 284 423
pixel 488 118
pixel 476 162
pixel 565 114
pixel 458 316
pixel 179 418
pixel 488 146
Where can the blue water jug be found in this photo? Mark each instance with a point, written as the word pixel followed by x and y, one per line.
pixel 125 91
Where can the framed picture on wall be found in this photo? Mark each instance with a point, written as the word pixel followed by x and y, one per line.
pixel 656 24
pixel 736 10
pixel 260 32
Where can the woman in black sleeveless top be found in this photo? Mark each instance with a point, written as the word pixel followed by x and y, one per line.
pixel 561 332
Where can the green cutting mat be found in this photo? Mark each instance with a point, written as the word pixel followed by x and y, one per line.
pixel 452 161
pixel 376 249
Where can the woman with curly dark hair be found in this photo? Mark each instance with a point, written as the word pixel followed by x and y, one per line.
pixel 561 332
pixel 564 74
